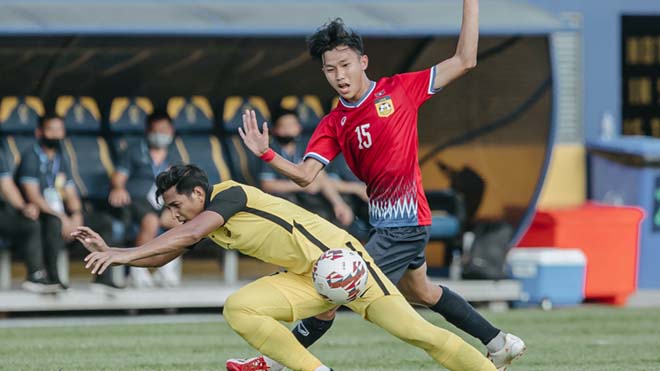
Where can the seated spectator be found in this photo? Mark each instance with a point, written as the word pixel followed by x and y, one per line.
pixel 286 131
pixel 44 176
pixel 24 230
pixel 134 186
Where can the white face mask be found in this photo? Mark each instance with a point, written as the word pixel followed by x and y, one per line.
pixel 159 140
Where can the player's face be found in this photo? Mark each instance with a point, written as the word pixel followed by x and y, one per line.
pixel 184 207
pixel 344 69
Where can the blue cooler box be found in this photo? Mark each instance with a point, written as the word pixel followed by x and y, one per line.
pixel 549 276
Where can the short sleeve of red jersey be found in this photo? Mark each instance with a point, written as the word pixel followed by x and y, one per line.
pixel 323 146
pixel 419 85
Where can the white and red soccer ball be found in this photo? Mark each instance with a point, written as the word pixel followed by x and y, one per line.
pixel 340 276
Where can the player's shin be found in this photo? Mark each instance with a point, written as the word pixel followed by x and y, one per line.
pixel 268 336
pixel 396 316
pixel 309 330
pixel 461 314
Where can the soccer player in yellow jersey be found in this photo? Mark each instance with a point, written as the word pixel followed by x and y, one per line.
pixel 243 218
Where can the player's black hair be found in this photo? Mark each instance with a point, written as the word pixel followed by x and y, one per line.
pixel 184 177
pixel 47 117
pixel 332 35
pixel 156 116
pixel 280 112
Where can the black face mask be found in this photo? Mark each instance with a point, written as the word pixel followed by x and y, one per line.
pixel 50 143
pixel 286 140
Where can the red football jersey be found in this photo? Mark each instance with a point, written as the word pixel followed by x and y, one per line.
pixel 378 136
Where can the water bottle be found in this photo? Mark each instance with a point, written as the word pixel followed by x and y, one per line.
pixel 455 268
pixel 607 129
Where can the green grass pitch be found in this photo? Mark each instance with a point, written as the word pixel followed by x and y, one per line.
pixel 581 339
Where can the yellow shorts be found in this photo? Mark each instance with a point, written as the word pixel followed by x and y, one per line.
pixel 305 302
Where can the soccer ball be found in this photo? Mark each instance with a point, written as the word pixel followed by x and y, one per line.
pixel 340 276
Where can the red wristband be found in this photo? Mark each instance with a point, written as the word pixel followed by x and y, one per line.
pixel 268 156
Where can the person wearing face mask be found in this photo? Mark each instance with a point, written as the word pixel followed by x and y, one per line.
pixel 134 187
pixel 44 177
pixel 287 142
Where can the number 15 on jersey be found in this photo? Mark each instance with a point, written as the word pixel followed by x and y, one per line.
pixel 363 135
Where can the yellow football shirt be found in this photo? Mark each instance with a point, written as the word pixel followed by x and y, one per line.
pixel 272 229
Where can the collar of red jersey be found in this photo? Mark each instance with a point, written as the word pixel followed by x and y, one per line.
pixel 364 97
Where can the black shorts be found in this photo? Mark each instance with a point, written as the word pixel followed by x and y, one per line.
pixel 139 208
pixel 398 249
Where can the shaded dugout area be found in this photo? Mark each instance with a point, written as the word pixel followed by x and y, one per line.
pixel 497 120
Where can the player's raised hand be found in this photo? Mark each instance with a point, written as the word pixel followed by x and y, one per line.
pixel 90 239
pixel 255 140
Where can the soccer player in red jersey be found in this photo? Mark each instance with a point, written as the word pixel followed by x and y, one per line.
pixel 375 127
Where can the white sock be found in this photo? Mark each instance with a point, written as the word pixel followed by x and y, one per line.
pixel 323 368
pixel 273 364
pixel 497 343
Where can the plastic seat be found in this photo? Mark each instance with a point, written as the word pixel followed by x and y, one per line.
pixel 126 123
pixel 308 108
pixel 86 149
pixel 196 140
pixel 19 117
pixel 245 166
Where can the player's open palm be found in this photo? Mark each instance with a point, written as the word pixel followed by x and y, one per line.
pixel 90 239
pixel 99 261
pixel 254 139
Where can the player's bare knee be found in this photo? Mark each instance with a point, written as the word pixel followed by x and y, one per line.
pixel 426 294
pixel 408 292
pixel 410 297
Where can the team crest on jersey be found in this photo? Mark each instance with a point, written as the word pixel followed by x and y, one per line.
pixel 384 106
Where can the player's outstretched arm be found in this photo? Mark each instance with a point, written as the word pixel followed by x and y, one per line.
pixel 466 50
pixel 257 141
pixel 161 249
pixel 93 242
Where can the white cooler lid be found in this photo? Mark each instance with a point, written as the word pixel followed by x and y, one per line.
pixel 547 256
